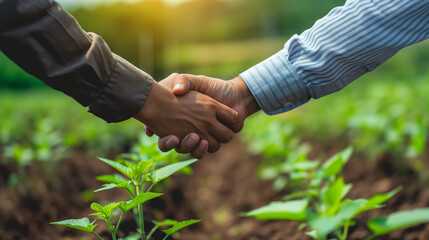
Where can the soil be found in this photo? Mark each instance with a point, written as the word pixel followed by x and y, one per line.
pixel 223 186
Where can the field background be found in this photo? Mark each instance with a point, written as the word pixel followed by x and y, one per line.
pixel 48 141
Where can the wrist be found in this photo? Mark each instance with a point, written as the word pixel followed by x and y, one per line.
pixel 246 98
pixel 157 95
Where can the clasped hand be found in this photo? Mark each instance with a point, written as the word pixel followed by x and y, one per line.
pixel 195 114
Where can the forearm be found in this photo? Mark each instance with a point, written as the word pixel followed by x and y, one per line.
pixel 349 42
pixel 246 98
pixel 49 44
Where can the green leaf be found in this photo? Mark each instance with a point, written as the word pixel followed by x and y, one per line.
pixel 314 234
pixel 398 220
pixel 176 227
pixel 307 165
pixel 121 168
pixel 104 212
pixel 291 210
pixel 327 224
pixel 106 187
pixel 141 198
pixel 126 185
pixel 111 178
pixel 96 207
pixel 332 197
pixel 301 194
pixel 167 222
pixel 81 224
pixel 346 190
pixel 334 165
pixel 142 167
pixel 129 165
pixel 163 173
pixel 375 201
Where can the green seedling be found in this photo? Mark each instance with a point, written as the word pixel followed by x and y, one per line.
pixel 323 208
pixel 284 156
pixel 138 178
pixel 382 225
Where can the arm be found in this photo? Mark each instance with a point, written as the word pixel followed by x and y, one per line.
pixel 48 43
pixel 347 43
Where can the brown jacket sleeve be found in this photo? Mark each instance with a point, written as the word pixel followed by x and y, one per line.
pixel 48 43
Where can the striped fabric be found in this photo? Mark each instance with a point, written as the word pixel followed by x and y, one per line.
pixel 347 43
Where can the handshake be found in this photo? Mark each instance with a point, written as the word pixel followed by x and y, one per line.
pixel 196 114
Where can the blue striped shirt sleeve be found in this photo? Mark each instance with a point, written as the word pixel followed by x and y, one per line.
pixel 348 42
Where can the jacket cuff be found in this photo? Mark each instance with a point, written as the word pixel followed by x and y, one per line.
pixel 124 94
pixel 275 85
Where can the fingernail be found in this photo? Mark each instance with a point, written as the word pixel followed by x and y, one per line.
pixel 178 86
pixel 191 141
pixel 202 146
pixel 169 143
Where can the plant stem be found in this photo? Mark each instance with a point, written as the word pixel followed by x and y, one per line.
pixel 98 236
pixel 150 188
pixel 119 222
pixel 113 231
pixel 140 209
pixel 151 232
pixel 346 231
pixel 130 192
pixel 165 237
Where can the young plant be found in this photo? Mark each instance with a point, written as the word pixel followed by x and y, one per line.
pixel 138 179
pixel 322 206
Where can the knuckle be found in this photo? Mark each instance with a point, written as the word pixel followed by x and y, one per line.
pixel 197 154
pixel 234 118
pixel 175 75
pixel 238 127
pixel 214 147
pixel 183 149
pixel 228 137
pixel 179 150
pixel 207 122
pixel 211 105
pixel 181 78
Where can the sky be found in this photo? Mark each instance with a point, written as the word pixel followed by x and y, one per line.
pixel 85 3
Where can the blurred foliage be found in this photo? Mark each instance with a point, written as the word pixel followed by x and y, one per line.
pixel 161 38
pixel 46 120
pixel 383 114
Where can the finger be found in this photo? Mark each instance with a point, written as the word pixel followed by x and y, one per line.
pixel 214 145
pixel 185 82
pixel 166 81
pixel 230 118
pixel 221 132
pixel 167 143
pixel 181 85
pixel 188 143
pixel 200 150
pixel 148 132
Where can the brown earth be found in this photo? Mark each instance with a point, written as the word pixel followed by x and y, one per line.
pixel 223 186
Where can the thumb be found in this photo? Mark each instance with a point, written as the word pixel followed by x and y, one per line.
pixel 181 85
pixel 186 82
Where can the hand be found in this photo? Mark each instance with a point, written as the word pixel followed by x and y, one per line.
pixel 165 114
pixel 233 93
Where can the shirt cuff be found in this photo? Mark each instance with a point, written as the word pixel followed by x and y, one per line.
pixel 124 94
pixel 276 85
